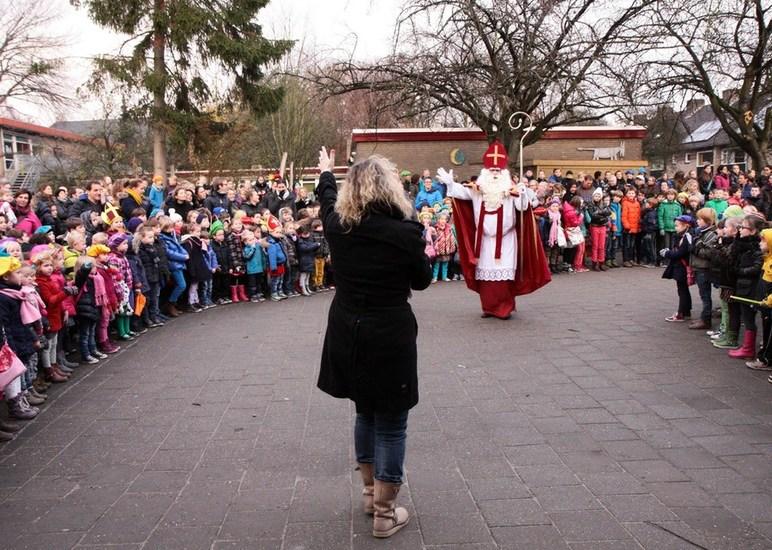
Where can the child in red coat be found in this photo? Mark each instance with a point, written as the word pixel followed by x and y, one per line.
pixel 53 293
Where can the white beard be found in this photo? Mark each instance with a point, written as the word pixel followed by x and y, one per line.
pixel 494 188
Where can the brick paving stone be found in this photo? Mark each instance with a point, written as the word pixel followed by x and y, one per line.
pixel 504 513
pixel 529 444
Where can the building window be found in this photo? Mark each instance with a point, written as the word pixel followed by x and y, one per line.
pixel 734 156
pixel 687 158
pixel 704 157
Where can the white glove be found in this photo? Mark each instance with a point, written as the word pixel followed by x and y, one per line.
pixel 663 252
pixel 445 176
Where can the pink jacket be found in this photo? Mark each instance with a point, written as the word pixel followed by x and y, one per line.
pixel 571 218
pixel 721 181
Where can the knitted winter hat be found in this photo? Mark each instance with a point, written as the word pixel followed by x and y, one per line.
pixel 733 211
pixel 133 224
pixel 117 240
pixel 97 249
pixel 215 227
pixel 598 192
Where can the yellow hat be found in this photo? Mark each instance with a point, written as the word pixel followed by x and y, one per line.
pixel 8 264
pixel 110 214
pixel 97 249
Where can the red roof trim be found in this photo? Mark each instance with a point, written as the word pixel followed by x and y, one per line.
pixel 477 135
pixel 30 128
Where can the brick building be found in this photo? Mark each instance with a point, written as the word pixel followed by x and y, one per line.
pixel 577 148
pixel 31 151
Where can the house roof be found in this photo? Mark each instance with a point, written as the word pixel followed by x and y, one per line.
pixel 29 128
pixel 359 135
pixel 703 132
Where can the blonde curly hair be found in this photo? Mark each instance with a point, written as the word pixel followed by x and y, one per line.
pixel 371 183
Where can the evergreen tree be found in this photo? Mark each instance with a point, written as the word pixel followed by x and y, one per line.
pixel 187 58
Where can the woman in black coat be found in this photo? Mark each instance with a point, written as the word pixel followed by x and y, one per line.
pixel 369 351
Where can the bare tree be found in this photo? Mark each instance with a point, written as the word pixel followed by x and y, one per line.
pixel 486 59
pixel 718 49
pixel 31 69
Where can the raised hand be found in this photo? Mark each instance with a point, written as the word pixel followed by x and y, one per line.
pixel 326 160
pixel 445 176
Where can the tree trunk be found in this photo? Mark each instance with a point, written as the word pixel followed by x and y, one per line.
pixel 159 101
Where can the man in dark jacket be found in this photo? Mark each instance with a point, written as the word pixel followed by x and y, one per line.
pixel 91 200
pixel 279 198
pixel 219 197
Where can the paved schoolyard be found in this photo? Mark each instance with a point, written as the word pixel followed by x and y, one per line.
pixel 585 422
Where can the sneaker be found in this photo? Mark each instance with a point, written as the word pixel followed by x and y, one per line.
pixel 65 370
pixel 769 379
pixel 712 332
pixel 275 298
pixel 90 360
pixel 99 355
pixel 254 300
pixel 717 336
pixel 675 318
pixel 434 281
pixel 758 365
pixel 260 298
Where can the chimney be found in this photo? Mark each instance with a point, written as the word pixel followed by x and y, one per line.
pixel 731 95
pixel 693 105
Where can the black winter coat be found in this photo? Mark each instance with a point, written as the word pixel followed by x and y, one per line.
pixel 223 253
pixel 151 263
pixel 599 214
pixel 747 259
pixel 217 200
pixel 369 353
pixel 678 257
pixel 20 338
pixel 84 205
pixel 138 273
pixel 198 269
pixel 721 267
pixel 307 248
pixel 273 202
pixel 290 249
pixel 164 269
pixel 86 305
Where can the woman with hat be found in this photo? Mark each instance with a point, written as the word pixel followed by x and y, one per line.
pixel 369 353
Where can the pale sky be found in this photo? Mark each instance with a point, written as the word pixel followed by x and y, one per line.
pixel 326 25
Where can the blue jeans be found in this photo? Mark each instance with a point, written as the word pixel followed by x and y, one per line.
pixel 288 284
pixel 611 246
pixel 179 286
pixel 276 284
pixel 704 286
pixel 153 298
pixel 86 336
pixel 630 247
pixel 379 438
pixel 205 290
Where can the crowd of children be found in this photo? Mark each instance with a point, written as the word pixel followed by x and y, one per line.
pixel 79 274
pixel 74 286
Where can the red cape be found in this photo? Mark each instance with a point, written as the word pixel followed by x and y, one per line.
pixel 532 266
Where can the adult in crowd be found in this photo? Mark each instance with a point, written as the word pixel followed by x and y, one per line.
pixel 280 197
pixel 63 203
pixel 303 199
pixel 181 202
pixel 428 194
pixel 26 219
pixel 134 197
pixel 218 197
pixel 369 353
pixel 90 201
pixel 42 203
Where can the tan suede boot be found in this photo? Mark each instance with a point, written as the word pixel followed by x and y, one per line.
pixel 388 518
pixel 367 471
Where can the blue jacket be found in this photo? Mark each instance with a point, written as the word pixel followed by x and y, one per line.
pixel 174 251
pixel 276 255
pixel 253 257
pixel 650 220
pixel 432 197
pixel 156 198
pixel 616 208
pixel 211 259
